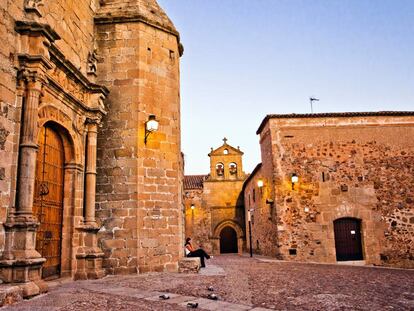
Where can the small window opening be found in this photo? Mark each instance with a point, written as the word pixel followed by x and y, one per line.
pixel 172 55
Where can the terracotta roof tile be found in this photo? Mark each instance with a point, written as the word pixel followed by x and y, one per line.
pixel 194 181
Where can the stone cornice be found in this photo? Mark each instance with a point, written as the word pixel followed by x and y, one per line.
pixel 55 85
pixel 131 17
pixel 333 115
pixel 128 17
pixel 60 60
pixel 225 180
pixel 51 56
pixel 25 27
pixel 26 59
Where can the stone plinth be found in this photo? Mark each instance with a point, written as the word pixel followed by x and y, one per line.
pixel 189 265
pixel 89 256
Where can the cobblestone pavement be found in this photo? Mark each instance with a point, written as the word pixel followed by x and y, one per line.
pixel 241 284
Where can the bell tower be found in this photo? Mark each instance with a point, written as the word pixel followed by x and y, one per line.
pixel 226 163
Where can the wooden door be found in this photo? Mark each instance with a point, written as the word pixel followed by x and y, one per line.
pixel 348 239
pixel 228 240
pixel 48 200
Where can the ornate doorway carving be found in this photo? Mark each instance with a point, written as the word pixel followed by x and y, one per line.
pixel 48 199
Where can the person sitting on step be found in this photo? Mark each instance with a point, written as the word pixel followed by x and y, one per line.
pixel 191 252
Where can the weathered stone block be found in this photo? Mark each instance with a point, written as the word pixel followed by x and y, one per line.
pixel 10 295
pixel 189 265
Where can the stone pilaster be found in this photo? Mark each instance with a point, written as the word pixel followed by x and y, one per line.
pixel 21 263
pixel 90 179
pixel 89 256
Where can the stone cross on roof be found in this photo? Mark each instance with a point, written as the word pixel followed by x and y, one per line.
pixel 225 140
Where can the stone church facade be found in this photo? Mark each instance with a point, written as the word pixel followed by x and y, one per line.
pixel 85 190
pixel 214 210
pixel 336 187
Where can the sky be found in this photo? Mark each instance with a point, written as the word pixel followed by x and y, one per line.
pixel 244 59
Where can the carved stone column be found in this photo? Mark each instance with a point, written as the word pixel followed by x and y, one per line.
pixel 89 256
pixel 21 263
pixel 28 151
pixel 90 179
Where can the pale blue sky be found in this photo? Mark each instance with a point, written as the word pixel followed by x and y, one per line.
pixel 244 59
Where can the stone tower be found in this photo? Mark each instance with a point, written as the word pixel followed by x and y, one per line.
pixel 84 188
pixel 226 163
pixel 139 183
pixel 214 203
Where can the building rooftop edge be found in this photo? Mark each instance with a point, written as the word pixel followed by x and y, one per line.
pixel 194 182
pixel 252 174
pixel 332 115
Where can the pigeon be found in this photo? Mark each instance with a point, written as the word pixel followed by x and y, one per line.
pixel 210 288
pixel 212 296
pixel 165 297
pixel 192 305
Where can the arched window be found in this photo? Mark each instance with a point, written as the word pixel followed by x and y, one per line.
pixel 233 168
pixel 226 151
pixel 220 169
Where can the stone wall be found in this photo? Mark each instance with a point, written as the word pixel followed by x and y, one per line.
pixel 198 219
pixel 133 48
pixel 73 21
pixel 10 108
pixel 262 214
pixel 219 203
pixel 348 166
pixel 139 185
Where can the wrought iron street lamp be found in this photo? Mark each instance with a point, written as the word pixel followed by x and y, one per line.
pixel 151 126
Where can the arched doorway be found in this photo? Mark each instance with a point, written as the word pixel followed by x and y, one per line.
pixel 48 200
pixel 348 243
pixel 228 240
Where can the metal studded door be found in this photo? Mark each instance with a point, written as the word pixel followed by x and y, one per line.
pixel 48 200
pixel 348 239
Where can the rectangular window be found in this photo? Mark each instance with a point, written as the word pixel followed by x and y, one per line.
pixel 292 251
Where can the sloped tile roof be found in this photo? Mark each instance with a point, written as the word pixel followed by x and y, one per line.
pixel 194 181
